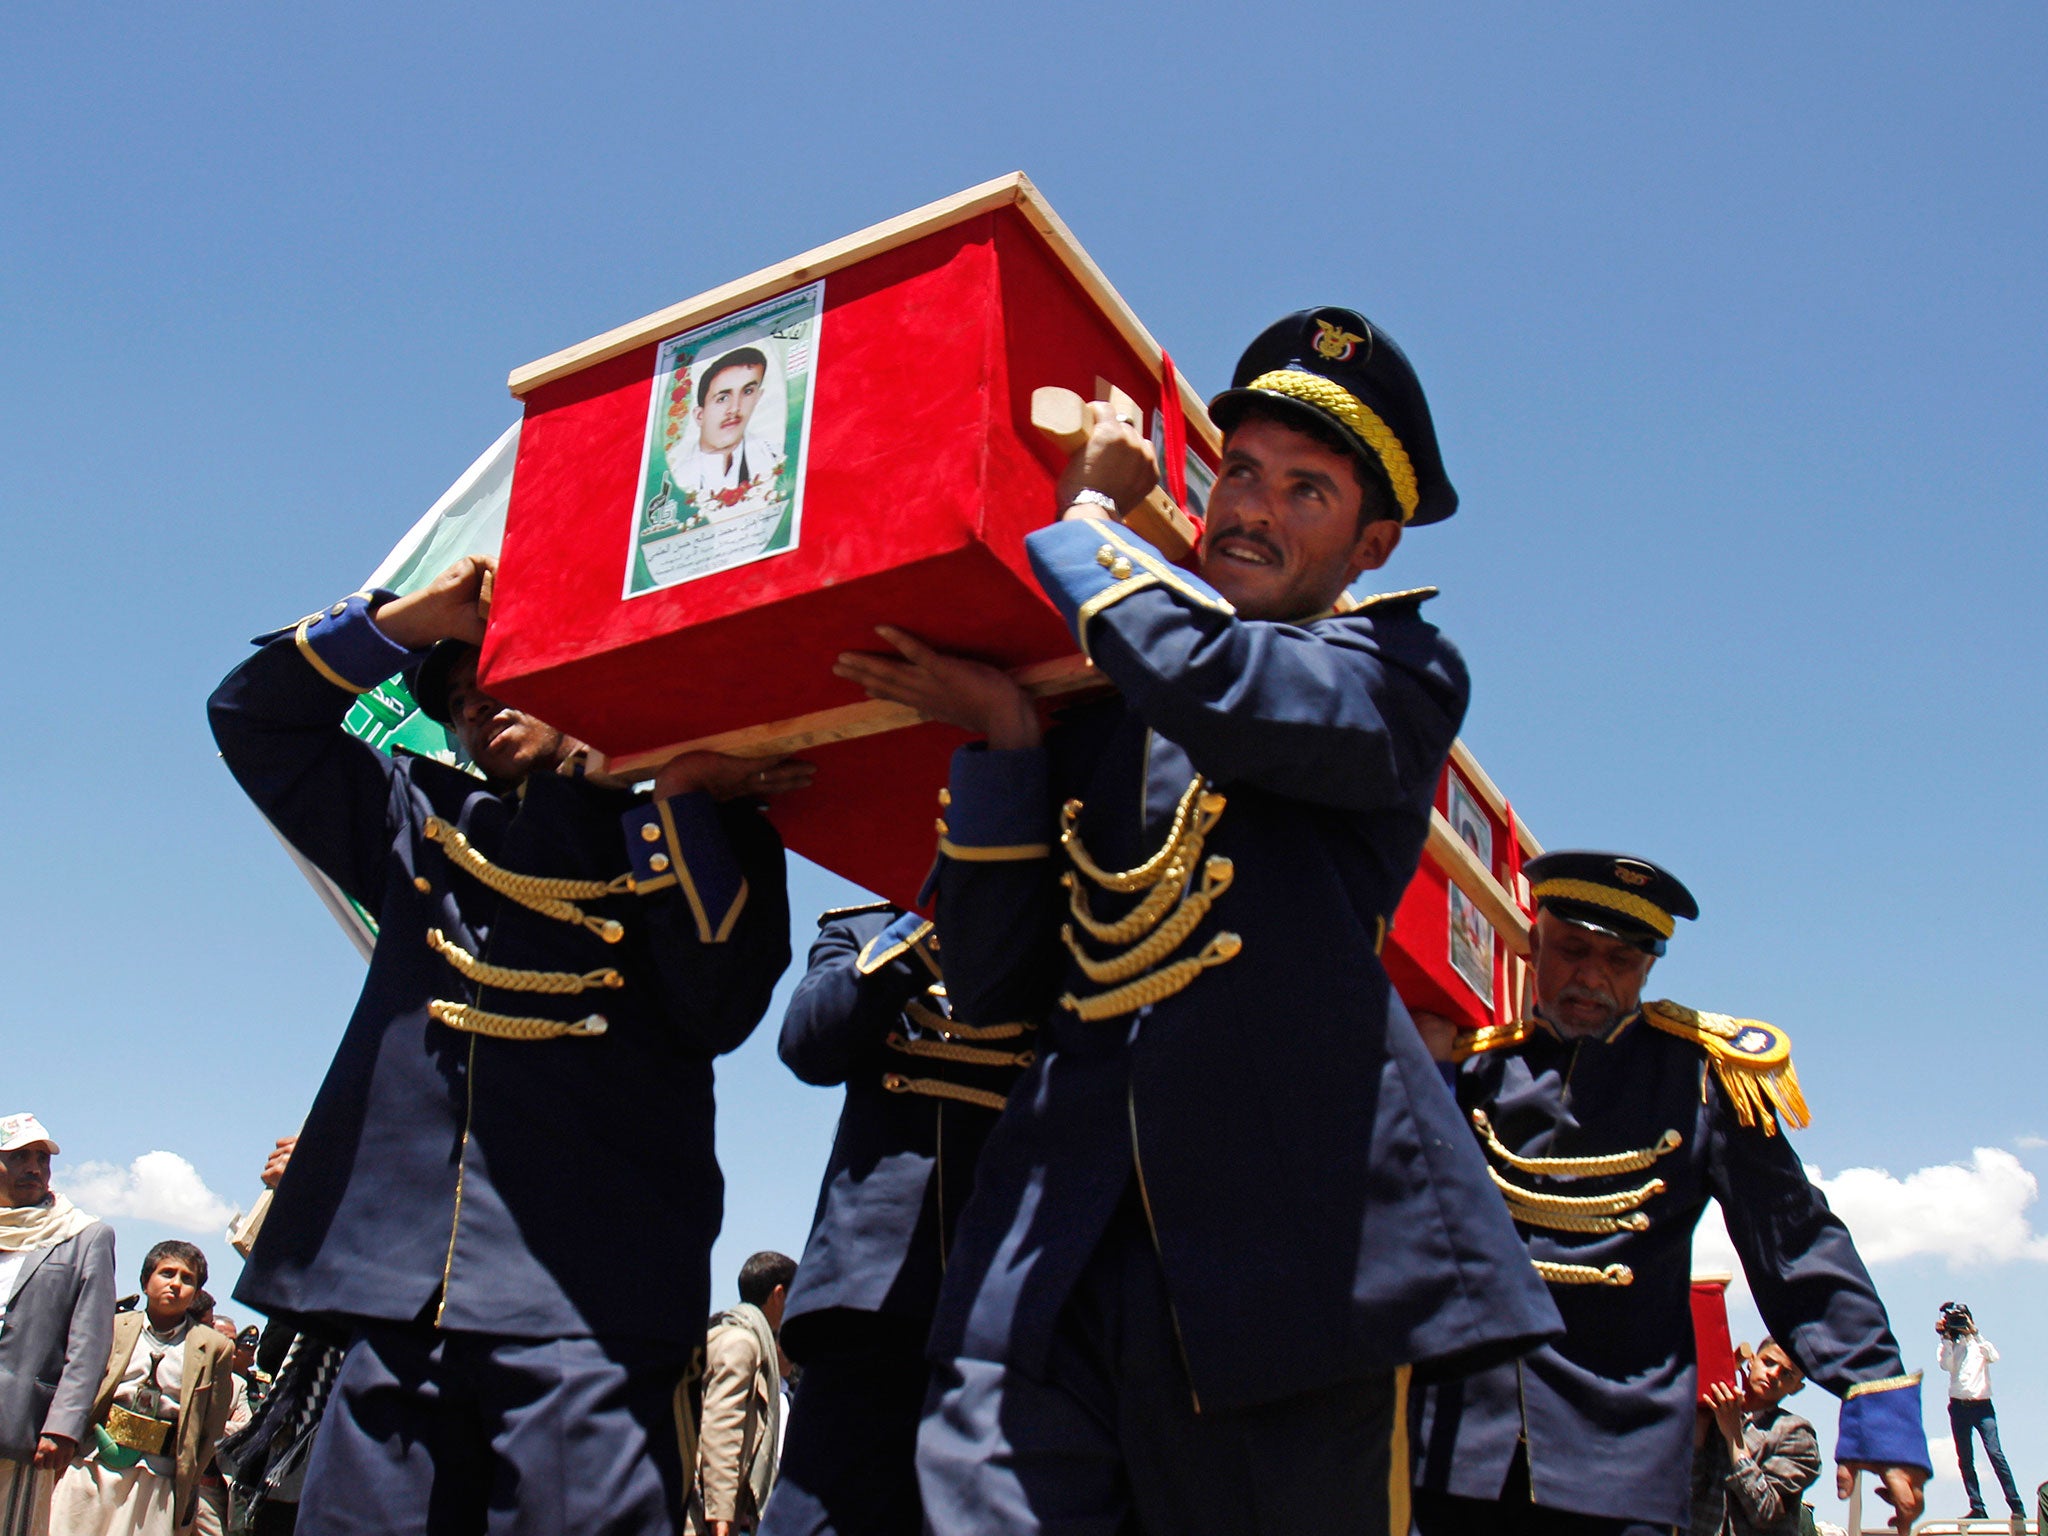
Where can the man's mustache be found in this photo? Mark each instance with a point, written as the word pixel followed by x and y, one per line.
pixel 1250 536
pixel 1574 993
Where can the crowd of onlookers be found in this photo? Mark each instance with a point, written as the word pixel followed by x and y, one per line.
pixel 152 1414
pixel 111 1412
pixel 144 1415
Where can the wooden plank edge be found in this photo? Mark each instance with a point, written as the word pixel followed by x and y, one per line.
pixel 1488 791
pixel 1095 282
pixel 1449 853
pixel 1162 524
pixel 1015 187
pixel 843 722
pixel 811 265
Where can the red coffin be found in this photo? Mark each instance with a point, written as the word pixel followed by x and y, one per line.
pixel 922 476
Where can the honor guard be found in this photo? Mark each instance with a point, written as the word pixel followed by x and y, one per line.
pixel 506 1191
pixel 922 1091
pixel 1607 1124
pixel 1230 1204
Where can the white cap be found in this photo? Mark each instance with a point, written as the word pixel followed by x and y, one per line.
pixel 24 1130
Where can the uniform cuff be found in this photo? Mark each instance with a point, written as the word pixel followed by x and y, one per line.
pixel 1087 565
pixel 997 806
pixel 1881 1424
pixel 345 646
pixel 902 936
pixel 681 842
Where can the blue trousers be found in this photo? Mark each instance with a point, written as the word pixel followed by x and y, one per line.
pixel 431 1433
pixel 1965 1415
pixel 1110 1443
pixel 849 1462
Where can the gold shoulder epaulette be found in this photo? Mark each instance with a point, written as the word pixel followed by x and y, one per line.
pixel 833 914
pixel 1416 595
pixel 1752 1059
pixel 1490 1037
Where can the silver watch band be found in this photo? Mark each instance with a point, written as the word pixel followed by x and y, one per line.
pixel 1092 498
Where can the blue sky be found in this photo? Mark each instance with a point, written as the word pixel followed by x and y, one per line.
pixel 1732 319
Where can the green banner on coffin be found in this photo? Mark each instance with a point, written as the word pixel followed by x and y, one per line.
pixel 469 519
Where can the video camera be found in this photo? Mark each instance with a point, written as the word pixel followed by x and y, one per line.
pixel 1955 1320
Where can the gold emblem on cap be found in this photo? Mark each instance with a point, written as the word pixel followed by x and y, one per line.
pixel 1627 876
pixel 1334 342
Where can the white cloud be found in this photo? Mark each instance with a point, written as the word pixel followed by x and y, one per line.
pixel 1941 1449
pixel 1966 1213
pixel 2030 1143
pixel 1712 1252
pixel 158 1186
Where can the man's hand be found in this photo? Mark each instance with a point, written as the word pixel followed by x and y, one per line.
pixel 280 1155
pixel 453 606
pixel 1726 1405
pixel 54 1453
pixel 1115 460
pixel 1900 1487
pixel 970 694
pixel 725 777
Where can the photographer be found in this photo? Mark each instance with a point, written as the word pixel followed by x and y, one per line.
pixel 1967 1355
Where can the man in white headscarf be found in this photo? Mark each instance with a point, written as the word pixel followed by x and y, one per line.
pixel 56 1325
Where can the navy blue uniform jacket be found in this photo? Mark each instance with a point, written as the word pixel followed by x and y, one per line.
pixel 1608 1410
pixel 537 1188
pixel 903 1159
pixel 1258 798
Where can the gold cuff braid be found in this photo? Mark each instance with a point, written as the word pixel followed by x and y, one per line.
pixel 1887 1384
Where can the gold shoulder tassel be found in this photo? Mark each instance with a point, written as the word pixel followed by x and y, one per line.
pixel 1752 1060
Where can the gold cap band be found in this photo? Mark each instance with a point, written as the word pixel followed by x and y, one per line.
pixel 1647 913
pixel 1326 395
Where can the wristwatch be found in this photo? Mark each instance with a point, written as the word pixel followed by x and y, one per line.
pixel 1093 498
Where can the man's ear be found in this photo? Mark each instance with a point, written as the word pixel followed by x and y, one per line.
pixel 1377 541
